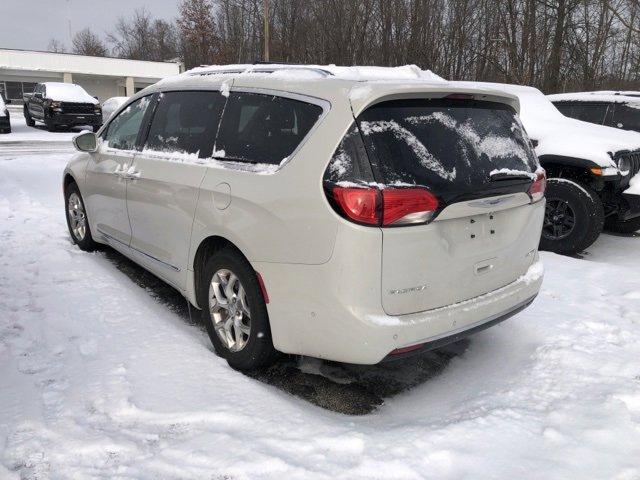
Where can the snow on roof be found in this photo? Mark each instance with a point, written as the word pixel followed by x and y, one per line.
pixel 608 97
pixel 628 93
pixel 309 72
pixel 562 136
pixel 68 92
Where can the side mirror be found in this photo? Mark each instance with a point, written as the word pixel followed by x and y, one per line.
pixel 86 142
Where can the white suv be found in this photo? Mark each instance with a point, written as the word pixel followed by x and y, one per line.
pixel 349 214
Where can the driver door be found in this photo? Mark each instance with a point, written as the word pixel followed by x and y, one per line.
pixel 108 171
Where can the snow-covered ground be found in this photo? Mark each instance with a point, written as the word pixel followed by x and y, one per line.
pixel 28 135
pixel 100 378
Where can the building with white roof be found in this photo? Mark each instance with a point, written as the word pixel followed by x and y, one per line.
pixel 103 77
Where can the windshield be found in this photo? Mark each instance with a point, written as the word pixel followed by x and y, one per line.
pixel 446 145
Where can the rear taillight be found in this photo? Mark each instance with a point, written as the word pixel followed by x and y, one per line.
pixel 359 204
pixel 387 207
pixel 539 185
pixel 402 206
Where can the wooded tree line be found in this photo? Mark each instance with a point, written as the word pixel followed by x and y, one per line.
pixel 556 45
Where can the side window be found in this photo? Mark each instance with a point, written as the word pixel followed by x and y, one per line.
pixel 626 117
pixel 260 128
pixel 123 129
pixel 186 122
pixel 565 108
pixel 590 112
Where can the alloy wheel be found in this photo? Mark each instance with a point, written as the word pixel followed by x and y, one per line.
pixel 229 310
pixel 559 219
pixel 77 217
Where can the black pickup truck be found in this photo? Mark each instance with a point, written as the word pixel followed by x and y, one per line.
pixel 61 105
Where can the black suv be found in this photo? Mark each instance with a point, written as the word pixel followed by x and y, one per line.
pixel 61 105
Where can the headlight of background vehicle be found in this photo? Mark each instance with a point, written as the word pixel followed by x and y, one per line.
pixel 624 165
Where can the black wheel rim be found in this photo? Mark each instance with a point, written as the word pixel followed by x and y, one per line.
pixel 559 219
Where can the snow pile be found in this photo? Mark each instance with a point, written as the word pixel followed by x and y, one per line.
pixel 560 135
pixel 512 172
pixel 99 380
pixel 68 92
pixel 225 88
pixel 111 105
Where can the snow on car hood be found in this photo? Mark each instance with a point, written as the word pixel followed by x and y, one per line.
pixel 68 92
pixel 560 135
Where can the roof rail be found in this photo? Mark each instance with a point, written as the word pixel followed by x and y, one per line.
pixel 262 67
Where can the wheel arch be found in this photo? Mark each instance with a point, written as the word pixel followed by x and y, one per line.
pixel 576 169
pixel 207 247
pixel 67 180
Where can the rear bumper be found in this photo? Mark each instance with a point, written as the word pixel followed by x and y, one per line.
pixel 452 337
pixel 308 318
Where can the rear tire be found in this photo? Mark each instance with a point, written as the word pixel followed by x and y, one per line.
pixel 77 220
pixel 574 217
pixel 51 127
pixel 619 226
pixel 245 345
pixel 27 117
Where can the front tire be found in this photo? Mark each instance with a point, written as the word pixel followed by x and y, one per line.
pixel 619 226
pixel 574 217
pixel 234 311
pixel 77 220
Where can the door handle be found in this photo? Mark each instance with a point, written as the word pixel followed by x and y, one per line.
pixel 125 171
pixel 131 173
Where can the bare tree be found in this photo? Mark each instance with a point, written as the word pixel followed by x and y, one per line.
pixel 56 46
pixel 85 42
pixel 552 44
pixel 199 42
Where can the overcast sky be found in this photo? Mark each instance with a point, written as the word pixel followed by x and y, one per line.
pixel 30 24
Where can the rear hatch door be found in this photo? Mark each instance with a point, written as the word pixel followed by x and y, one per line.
pixel 476 158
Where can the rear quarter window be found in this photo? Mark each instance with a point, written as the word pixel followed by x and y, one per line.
pixel 259 128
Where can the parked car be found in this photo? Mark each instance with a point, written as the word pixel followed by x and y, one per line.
pixel 589 168
pixel 305 219
pixel 612 109
pixel 111 105
pixel 5 118
pixel 61 104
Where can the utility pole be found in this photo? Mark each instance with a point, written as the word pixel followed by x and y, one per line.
pixel 266 30
pixel 69 25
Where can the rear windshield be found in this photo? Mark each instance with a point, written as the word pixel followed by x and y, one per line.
pixel 446 145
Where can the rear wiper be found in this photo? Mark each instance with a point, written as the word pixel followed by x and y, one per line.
pixel 498 176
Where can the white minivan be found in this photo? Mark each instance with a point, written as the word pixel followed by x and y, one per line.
pixel 349 214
